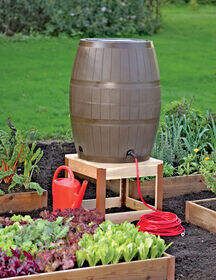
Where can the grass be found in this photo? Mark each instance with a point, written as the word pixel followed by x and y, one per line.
pixel 35 71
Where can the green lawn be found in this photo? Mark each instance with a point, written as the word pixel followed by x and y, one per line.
pixel 35 72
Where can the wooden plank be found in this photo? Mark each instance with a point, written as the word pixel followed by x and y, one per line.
pixel 135 204
pixel 129 216
pixel 113 170
pixel 101 190
pixel 130 171
pixel 123 192
pixel 159 188
pixel 22 202
pixel 171 268
pixel 155 269
pixel 110 202
pixel 200 215
pixel 172 186
pixel 82 167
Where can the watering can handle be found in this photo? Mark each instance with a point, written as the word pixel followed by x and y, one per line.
pixel 63 167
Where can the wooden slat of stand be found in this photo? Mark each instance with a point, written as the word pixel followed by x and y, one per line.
pixel 107 171
pixel 200 215
pixel 110 202
pixel 113 170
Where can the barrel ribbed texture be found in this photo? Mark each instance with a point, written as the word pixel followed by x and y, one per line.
pixel 114 99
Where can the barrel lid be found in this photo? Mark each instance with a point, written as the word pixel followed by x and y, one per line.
pixel 115 42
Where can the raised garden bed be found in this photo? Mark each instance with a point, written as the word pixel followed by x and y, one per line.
pixel 173 186
pixel 160 268
pixel 22 202
pixel 202 213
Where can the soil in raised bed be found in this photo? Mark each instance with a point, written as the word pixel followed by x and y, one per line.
pixel 195 252
pixel 209 204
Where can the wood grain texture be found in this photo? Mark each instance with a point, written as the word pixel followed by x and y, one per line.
pixel 121 171
pixel 200 215
pixel 101 190
pixel 172 186
pixel 129 216
pixel 113 170
pixel 153 269
pixel 115 100
pixel 22 202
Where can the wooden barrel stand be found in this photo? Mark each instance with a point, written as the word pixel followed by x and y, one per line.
pixel 102 172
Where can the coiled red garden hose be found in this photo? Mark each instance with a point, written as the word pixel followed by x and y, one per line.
pixel 158 222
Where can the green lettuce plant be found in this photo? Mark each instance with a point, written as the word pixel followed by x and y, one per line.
pixel 34 236
pixel 112 243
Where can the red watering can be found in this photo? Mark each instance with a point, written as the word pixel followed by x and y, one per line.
pixel 67 192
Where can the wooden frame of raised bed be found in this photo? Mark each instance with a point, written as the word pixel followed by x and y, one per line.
pixel 201 216
pixel 160 269
pixel 22 202
pixel 172 186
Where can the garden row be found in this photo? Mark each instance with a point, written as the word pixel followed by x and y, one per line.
pixel 69 239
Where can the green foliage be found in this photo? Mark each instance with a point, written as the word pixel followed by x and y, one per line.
pixel 20 218
pixel 12 152
pixel 112 243
pixel 168 170
pixel 33 237
pixel 208 171
pixel 32 158
pixel 188 165
pixel 15 148
pixel 79 17
pixel 183 130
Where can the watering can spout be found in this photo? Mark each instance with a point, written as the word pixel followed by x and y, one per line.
pixel 81 194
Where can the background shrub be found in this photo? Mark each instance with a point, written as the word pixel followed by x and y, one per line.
pixel 80 17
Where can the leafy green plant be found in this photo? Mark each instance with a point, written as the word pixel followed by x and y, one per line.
pixel 34 236
pixel 32 158
pixel 188 165
pixel 182 131
pixel 208 171
pixel 168 170
pixel 112 243
pixel 12 152
pixel 18 148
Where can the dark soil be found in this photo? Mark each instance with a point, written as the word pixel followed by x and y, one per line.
pixel 195 252
pixel 209 204
pixel 16 189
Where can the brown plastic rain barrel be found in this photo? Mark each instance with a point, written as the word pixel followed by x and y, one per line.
pixel 114 99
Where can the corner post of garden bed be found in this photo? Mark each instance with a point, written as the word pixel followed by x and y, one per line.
pixel 171 268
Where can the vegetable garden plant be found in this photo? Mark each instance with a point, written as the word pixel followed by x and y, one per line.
pixel 19 158
pixel 186 142
pixel 69 239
